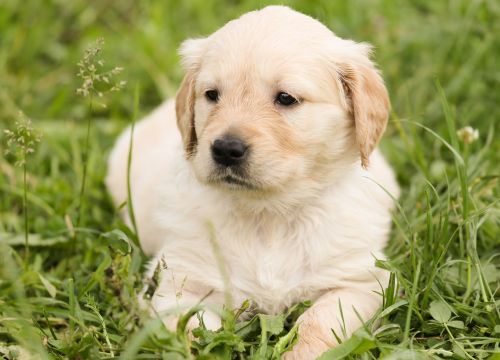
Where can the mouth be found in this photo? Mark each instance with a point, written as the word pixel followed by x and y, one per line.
pixel 232 180
pixel 229 179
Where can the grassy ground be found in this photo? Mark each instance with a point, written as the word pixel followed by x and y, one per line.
pixel 72 293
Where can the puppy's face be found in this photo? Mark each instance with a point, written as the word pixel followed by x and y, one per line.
pixel 274 98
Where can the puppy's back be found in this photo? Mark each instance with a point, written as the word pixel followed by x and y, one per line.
pixel 153 138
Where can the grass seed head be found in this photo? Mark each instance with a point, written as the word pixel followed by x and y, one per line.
pixel 95 79
pixel 22 140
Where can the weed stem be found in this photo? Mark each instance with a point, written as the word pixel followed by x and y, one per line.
pixel 85 158
pixel 25 210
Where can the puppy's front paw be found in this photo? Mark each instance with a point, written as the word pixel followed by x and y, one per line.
pixel 211 320
pixel 307 348
pixel 314 339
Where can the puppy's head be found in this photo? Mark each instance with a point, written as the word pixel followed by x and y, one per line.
pixel 275 98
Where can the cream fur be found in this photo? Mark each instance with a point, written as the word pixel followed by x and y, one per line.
pixel 316 222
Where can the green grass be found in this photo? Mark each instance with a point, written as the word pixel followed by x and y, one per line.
pixel 74 295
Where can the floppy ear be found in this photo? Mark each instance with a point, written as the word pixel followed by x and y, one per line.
pixel 191 52
pixel 368 102
pixel 184 109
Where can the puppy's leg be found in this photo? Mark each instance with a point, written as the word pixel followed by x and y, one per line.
pixel 170 307
pixel 317 323
pixel 176 294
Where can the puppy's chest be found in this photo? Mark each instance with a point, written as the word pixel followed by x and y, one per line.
pixel 270 263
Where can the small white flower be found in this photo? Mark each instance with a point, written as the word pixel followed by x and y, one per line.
pixel 468 134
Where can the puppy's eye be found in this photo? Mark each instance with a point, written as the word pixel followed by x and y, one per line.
pixel 212 95
pixel 285 99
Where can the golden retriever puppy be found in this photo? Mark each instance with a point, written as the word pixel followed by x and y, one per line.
pixel 261 180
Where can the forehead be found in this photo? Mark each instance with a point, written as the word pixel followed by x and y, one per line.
pixel 268 52
pixel 304 72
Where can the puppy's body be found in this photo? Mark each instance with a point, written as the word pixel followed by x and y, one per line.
pixel 306 227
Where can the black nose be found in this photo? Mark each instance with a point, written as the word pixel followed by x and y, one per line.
pixel 229 151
